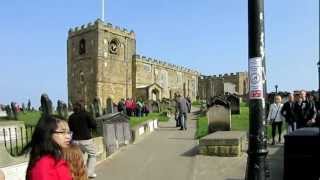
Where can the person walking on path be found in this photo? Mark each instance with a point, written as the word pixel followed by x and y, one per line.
pixel 183 109
pixel 80 122
pixel 288 113
pixel 275 118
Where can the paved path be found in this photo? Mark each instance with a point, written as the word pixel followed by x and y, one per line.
pixel 164 155
pixel 170 154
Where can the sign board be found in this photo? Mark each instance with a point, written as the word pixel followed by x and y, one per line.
pixel 256 78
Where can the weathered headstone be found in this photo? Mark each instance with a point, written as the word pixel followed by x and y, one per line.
pixel 115 129
pixel 46 104
pixel 9 112
pixel 155 106
pixel 70 106
pixel 109 106
pixel 97 107
pixel 29 105
pixel 92 111
pixel 62 109
pixel 234 103
pixel 219 117
pixel 14 111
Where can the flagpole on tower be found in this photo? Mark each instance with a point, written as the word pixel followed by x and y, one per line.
pixel 102 17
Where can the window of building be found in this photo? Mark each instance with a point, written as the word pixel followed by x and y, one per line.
pixel 81 77
pixel 82 47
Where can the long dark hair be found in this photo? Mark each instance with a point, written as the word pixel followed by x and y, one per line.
pixel 42 143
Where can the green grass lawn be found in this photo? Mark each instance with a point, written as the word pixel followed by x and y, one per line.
pixel 29 118
pixel 134 121
pixel 239 122
pixel 196 104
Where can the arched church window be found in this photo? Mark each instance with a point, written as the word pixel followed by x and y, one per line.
pixel 81 77
pixel 82 47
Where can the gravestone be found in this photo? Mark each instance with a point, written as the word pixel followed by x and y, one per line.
pixel 109 106
pixel 14 111
pixel 29 105
pixel 62 109
pixel 46 104
pixel 219 116
pixel 234 103
pixel 70 106
pixel 92 111
pixel 115 129
pixel 9 112
pixel 97 107
pixel 155 106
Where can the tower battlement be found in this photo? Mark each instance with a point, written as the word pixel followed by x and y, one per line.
pixel 100 24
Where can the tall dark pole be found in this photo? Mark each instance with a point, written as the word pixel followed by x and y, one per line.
pixel 318 64
pixel 257 151
pixel 276 86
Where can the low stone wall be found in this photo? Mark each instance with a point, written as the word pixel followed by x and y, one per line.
pixel 143 129
pixel 223 143
pixel 13 168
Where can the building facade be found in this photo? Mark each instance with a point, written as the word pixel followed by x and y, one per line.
pixel 234 83
pixel 102 63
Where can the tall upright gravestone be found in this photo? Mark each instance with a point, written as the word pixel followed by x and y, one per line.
pixel 46 104
pixel 219 116
pixel 109 108
pixel 9 112
pixel 97 107
pixel 234 103
pixel 62 109
pixel 14 111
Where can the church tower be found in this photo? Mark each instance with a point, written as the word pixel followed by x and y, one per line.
pixel 99 62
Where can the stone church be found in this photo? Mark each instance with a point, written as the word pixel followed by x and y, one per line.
pixel 102 62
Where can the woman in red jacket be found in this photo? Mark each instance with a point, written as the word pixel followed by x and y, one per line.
pixel 49 137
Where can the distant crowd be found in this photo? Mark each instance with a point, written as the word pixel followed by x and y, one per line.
pixel 300 111
pixel 133 108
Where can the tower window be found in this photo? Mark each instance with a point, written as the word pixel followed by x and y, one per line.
pixel 82 47
pixel 81 77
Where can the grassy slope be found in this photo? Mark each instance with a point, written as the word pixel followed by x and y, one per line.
pixel 239 122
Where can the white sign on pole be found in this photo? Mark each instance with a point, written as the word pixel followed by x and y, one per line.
pixel 256 78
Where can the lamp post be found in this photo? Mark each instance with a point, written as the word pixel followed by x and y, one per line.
pixel 318 64
pixel 276 86
pixel 257 149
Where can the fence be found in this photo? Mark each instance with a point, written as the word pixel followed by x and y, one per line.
pixel 15 138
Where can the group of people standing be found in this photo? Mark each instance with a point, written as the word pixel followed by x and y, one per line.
pixel 298 112
pixel 183 107
pixel 133 108
pixel 57 146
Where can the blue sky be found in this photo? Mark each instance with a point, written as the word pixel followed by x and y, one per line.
pixel 208 35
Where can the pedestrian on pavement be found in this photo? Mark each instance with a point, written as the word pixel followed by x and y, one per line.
pixel 288 113
pixel 176 112
pixel 275 118
pixel 81 123
pixel 46 162
pixel 182 105
pixel 305 111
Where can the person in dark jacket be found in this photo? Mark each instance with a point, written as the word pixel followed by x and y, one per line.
pixel 287 112
pixel 81 123
pixel 182 105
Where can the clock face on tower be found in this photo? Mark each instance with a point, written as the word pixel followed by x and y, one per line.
pixel 114 46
